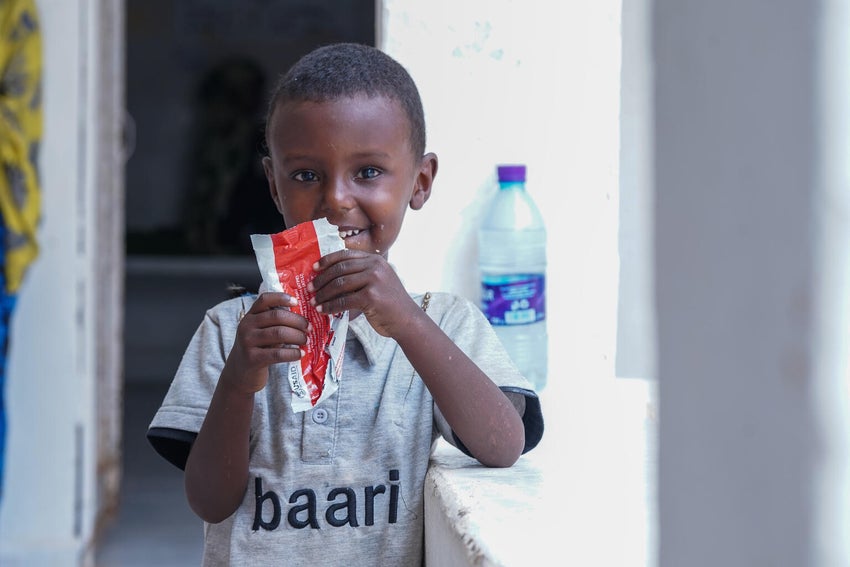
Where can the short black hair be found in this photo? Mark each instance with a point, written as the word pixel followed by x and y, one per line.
pixel 343 70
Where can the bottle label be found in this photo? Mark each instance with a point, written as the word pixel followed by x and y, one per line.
pixel 515 299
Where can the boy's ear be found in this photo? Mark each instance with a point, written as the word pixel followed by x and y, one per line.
pixel 267 168
pixel 424 181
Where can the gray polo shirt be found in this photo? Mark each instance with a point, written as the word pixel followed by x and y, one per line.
pixel 340 484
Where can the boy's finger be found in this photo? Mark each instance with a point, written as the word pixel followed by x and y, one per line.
pixel 335 257
pixel 288 354
pixel 337 273
pixel 342 287
pixel 272 299
pixel 282 337
pixel 281 318
pixel 281 353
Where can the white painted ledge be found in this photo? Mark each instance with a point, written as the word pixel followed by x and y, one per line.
pixel 479 516
pixel 584 496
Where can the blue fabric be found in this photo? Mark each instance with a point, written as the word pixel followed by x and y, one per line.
pixel 7 305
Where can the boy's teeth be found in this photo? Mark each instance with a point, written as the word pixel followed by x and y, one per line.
pixel 347 233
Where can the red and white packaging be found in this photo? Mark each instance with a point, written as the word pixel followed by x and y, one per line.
pixel 286 263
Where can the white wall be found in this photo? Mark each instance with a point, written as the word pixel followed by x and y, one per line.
pixel 831 309
pixel 636 348
pixel 47 511
pixel 507 81
pixel 751 234
pixel 536 82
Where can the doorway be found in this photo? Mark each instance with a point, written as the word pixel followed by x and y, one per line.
pixel 199 73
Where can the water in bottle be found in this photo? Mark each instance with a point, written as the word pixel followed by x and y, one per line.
pixel 512 262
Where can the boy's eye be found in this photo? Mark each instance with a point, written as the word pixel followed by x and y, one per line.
pixel 304 176
pixel 369 172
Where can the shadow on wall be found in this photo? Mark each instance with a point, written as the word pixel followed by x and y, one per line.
pixel 227 198
pixel 199 73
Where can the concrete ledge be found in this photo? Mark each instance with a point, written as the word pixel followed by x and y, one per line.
pixel 584 496
pixel 476 515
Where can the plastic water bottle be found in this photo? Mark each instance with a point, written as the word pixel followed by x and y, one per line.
pixel 512 261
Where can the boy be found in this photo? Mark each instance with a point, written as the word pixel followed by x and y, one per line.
pixel 341 483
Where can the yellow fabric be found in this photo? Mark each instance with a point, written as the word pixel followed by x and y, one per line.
pixel 20 134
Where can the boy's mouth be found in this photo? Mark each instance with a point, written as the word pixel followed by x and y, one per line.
pixel 349 232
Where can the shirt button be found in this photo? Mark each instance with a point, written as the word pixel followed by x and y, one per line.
pixel 320 415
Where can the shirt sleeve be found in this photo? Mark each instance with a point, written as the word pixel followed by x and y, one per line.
pixel 178 420
pixel 464 323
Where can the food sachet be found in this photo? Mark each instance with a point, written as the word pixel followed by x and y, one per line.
pixel 286 263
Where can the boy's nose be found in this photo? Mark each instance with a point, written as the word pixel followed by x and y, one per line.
pixel 338 195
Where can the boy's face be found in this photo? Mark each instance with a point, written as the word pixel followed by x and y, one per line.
pixel 349 160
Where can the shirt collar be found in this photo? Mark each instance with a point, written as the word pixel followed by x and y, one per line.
pixel 373 343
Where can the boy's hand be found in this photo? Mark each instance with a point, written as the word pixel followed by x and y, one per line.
pixel 353 280
pixel 268 333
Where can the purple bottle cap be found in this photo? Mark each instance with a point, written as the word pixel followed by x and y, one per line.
pixel 511 173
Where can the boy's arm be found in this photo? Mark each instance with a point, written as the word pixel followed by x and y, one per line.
pixel 217 467
pixel 479 413
pixel 216 473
